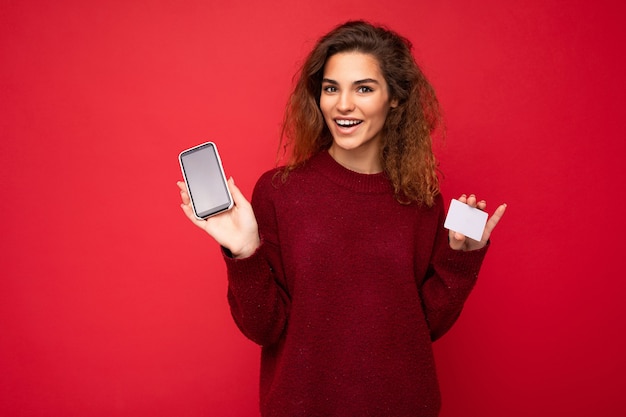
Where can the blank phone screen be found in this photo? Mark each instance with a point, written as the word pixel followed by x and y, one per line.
pixel 205 180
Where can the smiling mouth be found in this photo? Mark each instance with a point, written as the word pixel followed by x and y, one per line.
pixel 348 123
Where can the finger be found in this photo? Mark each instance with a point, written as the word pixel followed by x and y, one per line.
pixel 186 205
pixel 493 221
pixel 481 205
pixel 471 200
pixel 188 212
pixel 456 240
pixel 238 197
pixel 202 224
pixel 463 199
pixel 183 192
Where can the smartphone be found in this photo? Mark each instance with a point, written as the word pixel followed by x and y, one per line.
pixel 205 180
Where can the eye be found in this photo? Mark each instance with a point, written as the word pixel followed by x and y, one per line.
pixel 364 89
pixel 329 89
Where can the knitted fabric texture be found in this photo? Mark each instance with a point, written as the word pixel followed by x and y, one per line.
pixel 346 294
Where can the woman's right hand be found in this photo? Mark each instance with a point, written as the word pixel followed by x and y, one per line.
pixel 235 229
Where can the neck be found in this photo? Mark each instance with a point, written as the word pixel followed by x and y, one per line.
pixel 361 161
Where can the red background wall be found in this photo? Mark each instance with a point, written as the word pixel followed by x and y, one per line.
pixel 112 304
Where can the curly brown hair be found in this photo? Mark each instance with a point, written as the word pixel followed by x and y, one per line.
pixel 406 154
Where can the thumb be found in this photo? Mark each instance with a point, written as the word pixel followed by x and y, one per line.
pixel 456 240
pixel 238 197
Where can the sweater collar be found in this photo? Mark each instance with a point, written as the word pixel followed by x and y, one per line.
pixel 355 181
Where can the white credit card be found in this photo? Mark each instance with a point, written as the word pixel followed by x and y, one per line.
pixel 467 220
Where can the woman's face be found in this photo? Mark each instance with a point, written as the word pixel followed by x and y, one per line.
pixel 355 102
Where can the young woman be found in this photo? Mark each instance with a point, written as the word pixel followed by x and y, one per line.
pixel 341 268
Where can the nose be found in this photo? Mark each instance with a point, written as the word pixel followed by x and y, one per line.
pixel 345 102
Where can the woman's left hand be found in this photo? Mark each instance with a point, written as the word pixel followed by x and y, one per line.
pixel 461 242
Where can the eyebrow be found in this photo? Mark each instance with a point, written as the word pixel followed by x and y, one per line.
pixel 358 82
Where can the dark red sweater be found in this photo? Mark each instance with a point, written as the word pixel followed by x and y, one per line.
pixel 346 293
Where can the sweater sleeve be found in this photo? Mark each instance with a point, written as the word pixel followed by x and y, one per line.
pixel 450 277
pixel 257 294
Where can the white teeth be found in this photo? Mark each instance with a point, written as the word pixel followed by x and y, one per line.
pixel 348 122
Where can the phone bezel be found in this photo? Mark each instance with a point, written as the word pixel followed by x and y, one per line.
pixel 215 210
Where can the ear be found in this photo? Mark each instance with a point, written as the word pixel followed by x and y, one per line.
pixel 393 103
